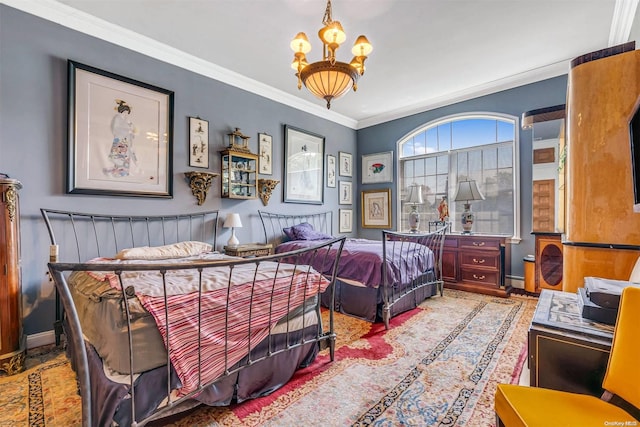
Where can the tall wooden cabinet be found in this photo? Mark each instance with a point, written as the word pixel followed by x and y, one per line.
pixel 602 235
pixel 12 339
pixel 476 263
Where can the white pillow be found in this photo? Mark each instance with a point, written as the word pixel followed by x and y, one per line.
pixel 176 250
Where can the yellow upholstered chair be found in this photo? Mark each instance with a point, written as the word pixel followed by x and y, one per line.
pixel 533 406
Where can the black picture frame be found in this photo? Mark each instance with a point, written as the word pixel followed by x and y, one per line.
pixel 120 135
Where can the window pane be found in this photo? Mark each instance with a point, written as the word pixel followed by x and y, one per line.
pixel 407 148
pixel 505 131
pixel 444 137
pixel 490 158
pixel 419 168
pixel 505 156
pixel 432 140
pixel 419 144
pixel 442 164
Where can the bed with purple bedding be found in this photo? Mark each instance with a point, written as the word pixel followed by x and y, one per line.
pixel 377 279
pixel 166 323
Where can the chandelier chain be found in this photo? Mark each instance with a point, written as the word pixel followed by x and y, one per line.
pixel 326 20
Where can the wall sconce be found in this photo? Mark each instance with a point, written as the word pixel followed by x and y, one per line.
pixel 265 187
pixel 200 182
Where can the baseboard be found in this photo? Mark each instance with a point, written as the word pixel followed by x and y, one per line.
pixel 515 281
pixel 40 339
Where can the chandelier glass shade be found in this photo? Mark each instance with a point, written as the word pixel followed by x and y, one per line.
pixel 329 79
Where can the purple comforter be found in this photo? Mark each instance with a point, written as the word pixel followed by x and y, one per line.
pixel 362 259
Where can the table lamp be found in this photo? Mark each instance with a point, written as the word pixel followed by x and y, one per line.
pixel 467 192
pixel 415 199
pixel 232 221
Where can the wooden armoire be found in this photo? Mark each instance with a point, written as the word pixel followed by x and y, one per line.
pixel 602 233
pixel 12 339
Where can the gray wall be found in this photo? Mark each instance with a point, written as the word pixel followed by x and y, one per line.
pixel 384 137
pixel 33 139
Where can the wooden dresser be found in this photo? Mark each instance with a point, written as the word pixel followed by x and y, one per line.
pixel 476 263
pixel 12 339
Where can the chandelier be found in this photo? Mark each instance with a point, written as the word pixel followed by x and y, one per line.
pixel 329 79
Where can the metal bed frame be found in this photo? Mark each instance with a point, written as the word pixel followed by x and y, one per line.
pixel 97 235
pixel 83 234
pixel 396 297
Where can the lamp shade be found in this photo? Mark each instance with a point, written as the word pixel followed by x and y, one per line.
pixel 415 195
pixel 468 191
pixel 232 221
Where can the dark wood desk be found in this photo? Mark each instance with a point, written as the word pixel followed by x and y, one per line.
pixel 566 351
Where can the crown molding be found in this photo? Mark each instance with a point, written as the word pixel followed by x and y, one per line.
pixel 74 19
pixel 509 82
pixel 624 13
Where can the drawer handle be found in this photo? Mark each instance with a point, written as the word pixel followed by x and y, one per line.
pixel 479 261
pixel 478 277
pixel 478 243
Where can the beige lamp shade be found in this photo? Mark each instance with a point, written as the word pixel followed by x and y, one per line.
pixel 232 221
pixel 415 195
pixel 468 191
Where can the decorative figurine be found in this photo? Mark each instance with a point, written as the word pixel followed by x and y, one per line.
pixel 443 209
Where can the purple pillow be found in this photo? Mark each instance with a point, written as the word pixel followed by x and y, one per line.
pixel 290 231
pixel 304 233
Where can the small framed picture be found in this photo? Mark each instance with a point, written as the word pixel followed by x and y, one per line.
pixel 331 171
pixel 346 221
pixel 344 194
pixel 265 152
pixel 198 142
pixel 377 167
pixel 376 208
pixel 346 164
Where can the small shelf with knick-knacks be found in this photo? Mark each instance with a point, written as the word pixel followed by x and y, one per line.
pixel 239 168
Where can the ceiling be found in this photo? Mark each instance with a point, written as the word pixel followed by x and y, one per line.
pixel 427 53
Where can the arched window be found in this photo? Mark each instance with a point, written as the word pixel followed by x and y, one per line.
pixel 480 147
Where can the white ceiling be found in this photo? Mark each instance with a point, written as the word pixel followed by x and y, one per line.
pixel 427 53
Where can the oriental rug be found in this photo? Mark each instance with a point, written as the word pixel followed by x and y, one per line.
pixel 437 365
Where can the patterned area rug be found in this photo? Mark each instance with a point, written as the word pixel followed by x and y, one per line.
pixel 437 365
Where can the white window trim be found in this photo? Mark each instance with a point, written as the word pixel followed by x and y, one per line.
pixel 516 238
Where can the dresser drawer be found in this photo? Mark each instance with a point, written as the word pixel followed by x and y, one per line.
pixel 479 276
pixel 489 260
pixel 480 243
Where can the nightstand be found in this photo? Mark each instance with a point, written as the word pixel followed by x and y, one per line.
pixel 249 250
pixel 566 351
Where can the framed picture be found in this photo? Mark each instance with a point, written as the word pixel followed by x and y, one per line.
pixel 346 220
pixel 303 166
pixel 376 208
pixel 198 142
pixel 377 167
pixel 331 171
pixel 345 194
pixel 346 164
pixel 120 135
pixel 265 152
